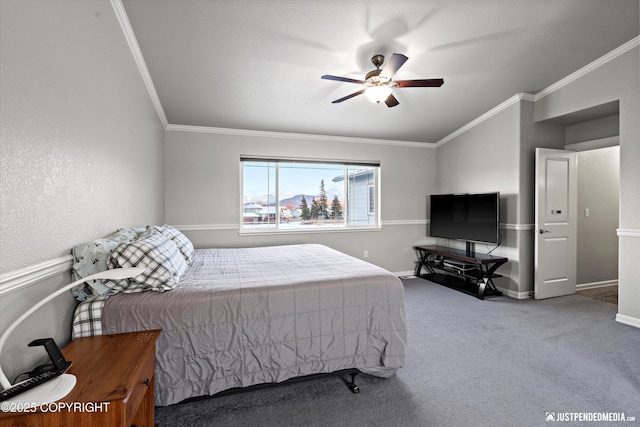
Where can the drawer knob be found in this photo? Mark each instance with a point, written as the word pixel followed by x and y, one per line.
pixel 146 382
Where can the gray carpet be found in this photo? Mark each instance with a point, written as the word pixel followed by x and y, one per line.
pixel 497 362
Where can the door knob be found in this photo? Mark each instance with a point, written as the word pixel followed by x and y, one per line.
pixel 542 231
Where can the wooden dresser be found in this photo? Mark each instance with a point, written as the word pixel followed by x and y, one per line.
pixel 115 380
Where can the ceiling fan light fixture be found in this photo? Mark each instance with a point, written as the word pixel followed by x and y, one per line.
pixel 378 84
pixel 377 94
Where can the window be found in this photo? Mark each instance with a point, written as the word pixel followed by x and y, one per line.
pixel 302 195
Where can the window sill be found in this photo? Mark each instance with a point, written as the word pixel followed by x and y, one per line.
pixel 305 231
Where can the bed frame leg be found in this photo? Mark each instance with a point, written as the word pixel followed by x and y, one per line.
pixel 352 385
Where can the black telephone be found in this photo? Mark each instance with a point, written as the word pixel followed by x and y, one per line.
pixel 58 360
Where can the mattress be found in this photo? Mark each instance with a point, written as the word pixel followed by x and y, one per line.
pixel 246 316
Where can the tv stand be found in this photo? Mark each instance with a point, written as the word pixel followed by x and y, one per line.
pixel 460 269
pixel 470 249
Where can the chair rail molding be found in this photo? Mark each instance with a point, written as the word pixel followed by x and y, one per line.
pixel 21 278
pixel 628 232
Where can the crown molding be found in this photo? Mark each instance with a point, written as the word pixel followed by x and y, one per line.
pixel 123 19
pixel 535 97
pixel 589 67
pixel 130 36
pixel 495 110
pixel 298 136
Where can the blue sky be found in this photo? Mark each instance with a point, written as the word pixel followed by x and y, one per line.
pixel 295 178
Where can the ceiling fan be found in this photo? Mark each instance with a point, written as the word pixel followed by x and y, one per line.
pixel 378 83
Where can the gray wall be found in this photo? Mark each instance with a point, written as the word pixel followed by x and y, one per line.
pixel 532 135
pixel 511 135
pixel 202 188
pixel 598 191
pixel 498 154
pixel 489 157
pixel 81 152
pixel 603 127
pixel 618 79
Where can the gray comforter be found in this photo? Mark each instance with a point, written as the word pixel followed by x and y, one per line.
pixel 257 315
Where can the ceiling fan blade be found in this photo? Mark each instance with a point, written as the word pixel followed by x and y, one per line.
pixel 360 92
pixel 420 83
pixel 391 101
pixel 393 65
pixel 342 79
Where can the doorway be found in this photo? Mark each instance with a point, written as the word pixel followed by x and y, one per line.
pixel 594 135
pixel 598 220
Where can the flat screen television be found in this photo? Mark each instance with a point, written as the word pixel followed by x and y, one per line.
pixel 466 217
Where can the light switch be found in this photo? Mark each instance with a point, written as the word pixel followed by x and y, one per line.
pixel 586 212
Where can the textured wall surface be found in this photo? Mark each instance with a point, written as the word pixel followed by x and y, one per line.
pixel 81 144
pixel 81 153
pixel 202 174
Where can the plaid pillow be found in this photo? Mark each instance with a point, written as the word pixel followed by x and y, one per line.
pixel 182 242
pixel 163 262
pixel 87 320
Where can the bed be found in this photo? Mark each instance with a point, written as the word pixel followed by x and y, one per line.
pixel 246 316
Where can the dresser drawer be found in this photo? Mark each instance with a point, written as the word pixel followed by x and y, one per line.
pixel 142 384
pixel 116 370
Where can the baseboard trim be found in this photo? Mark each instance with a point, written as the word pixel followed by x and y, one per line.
pixel 594 285
pixel 18 279
pixel 628 320
pixel 514 294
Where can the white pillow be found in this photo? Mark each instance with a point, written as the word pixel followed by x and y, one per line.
pixel 90 258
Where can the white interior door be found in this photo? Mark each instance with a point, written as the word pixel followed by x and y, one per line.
pixel 556 219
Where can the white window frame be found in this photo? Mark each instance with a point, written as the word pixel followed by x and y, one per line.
pixel 371 199
pixel 376 223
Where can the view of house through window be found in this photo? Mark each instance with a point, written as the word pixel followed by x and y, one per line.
pixel 295 195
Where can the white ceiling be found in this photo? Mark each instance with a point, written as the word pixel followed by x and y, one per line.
pixel 256 65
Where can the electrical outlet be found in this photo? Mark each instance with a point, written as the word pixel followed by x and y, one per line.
pixel 366 254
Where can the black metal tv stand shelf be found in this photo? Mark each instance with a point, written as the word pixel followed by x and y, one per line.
pixel 459 269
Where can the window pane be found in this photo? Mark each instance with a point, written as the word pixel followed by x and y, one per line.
pixel 259 194
pixel 308 193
